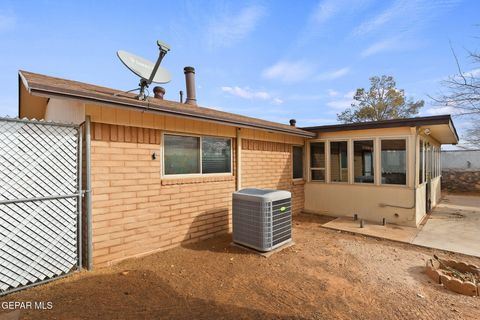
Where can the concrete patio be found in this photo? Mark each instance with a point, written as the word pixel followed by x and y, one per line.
pixel 454 225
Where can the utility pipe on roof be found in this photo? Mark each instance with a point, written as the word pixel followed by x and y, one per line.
pixel 190 84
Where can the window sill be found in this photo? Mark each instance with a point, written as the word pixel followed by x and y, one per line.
pixel 204 179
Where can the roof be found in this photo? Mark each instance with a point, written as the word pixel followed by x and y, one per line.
pixel 394 123
pixel 47 86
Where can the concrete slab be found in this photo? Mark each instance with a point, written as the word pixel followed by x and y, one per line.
pixel 389 231
pixel 264 254
pixel 454 225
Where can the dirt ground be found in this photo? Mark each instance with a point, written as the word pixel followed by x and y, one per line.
pixel 325 275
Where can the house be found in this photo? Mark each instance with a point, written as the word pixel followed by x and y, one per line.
pixel 386 169
pixel 162 173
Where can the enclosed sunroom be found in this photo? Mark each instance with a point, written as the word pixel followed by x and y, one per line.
pixel 385 169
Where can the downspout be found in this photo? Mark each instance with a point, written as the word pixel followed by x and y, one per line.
pixel 239 159
pixel 88 194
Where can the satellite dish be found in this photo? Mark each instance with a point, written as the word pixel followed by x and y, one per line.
pixel 147 71
pixel 143 67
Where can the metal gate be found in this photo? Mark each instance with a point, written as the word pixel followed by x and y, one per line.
pixel 40 202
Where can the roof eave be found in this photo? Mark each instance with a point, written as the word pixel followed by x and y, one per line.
pixel 50 93
pixel 411 122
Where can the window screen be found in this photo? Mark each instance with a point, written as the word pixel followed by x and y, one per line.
pixel 394 166
pixel 338 161
pixel 363 161
pixel 297 162
pixel 421 164
pixel 181 154
pixel 216 155
pixel 317 161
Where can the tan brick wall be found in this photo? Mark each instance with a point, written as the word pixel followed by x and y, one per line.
pixel 135 212
pixel 269 165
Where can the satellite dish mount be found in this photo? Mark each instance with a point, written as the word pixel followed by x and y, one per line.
pixel 145 69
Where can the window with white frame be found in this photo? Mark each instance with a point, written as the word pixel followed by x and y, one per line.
pixel 183 155
pixel 317 161
pixel 421 164
pixel 394 161
pixel 339 161
pixel 297 165
pixel 363 160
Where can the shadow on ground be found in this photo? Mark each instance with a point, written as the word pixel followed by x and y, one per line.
pixel 136 295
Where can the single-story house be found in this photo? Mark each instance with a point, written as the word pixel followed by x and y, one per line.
pixel 162 173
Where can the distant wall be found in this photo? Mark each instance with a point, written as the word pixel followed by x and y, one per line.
pixel 461 171
pixel 461 160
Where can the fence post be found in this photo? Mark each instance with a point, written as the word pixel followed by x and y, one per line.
pixel 88 193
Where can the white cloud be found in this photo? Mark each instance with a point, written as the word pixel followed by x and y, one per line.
pixel 228 29
pixel 334 74
pixel 332 92
pixel 404 16
pixel 400 23
pixel 277 101
pixel 289 71
pixel 340 104
pixel 249 94
pixel 380 46
pixel 344 102
pixel 305 97
pixel 442 110
pixel 327 9
pixel 474 73
pixel 7 22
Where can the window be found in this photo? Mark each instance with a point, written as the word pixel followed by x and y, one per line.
pixel 338 161
pixel 363 161
pixel 181 154
pixel 297 162
pixel 216 155
pixel 317 161
pixel 428 162
pixel 421 165
pixel 196 155
pixel 394 158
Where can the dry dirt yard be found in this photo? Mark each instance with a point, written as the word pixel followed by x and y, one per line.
pixel 325 275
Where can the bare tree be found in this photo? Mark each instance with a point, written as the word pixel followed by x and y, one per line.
pixel 463 94
pixel 463 88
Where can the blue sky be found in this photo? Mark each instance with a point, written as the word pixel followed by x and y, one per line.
pixel 274 60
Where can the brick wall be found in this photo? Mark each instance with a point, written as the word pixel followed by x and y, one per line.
pixel 135 212
pixel 269 165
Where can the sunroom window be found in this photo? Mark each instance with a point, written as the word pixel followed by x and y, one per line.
pixel 317 161
pixel 363 161
pixel 394 162
pixel 338 161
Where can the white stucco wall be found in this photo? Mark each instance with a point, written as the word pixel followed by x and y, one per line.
pixel 461 160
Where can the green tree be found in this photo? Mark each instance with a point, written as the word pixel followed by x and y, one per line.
pixel 382 101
